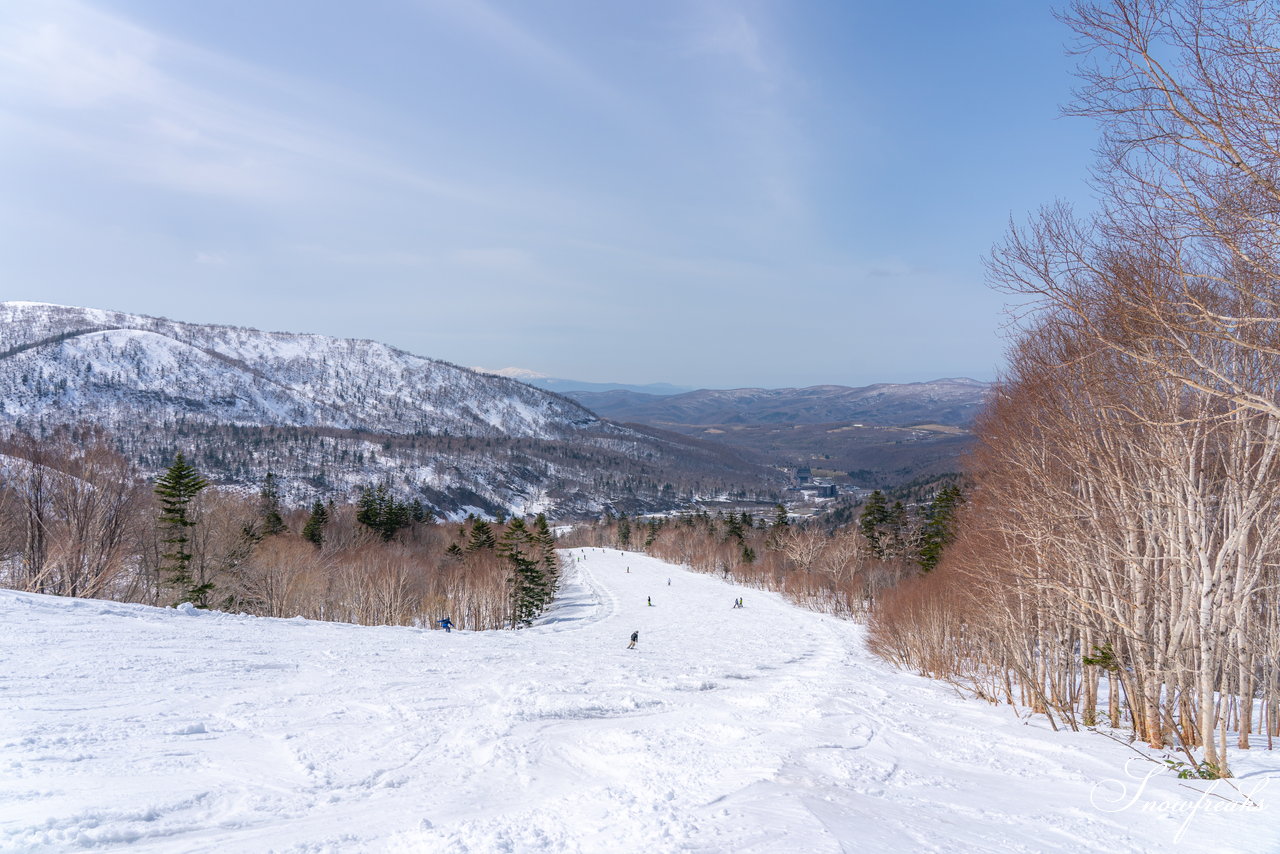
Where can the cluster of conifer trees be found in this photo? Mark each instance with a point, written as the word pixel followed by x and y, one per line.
pixel 75 519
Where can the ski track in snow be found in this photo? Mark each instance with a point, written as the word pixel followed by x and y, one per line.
pixel 761 729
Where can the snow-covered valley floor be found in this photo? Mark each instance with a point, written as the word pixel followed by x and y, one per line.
pixel 760 729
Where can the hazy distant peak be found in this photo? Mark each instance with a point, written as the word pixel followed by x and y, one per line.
pixel 513 373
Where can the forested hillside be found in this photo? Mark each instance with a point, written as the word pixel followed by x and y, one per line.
pixel 329 415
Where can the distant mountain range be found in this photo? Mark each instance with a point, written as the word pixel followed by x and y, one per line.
pixel 886 435
pixel 563 386
pixel 951 402
pixel 328 415
pixel 878 436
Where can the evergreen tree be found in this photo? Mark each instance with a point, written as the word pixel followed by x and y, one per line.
pixel 481 536
pixel 176 489
pixel 780 517
pixel 939 526
pixel 313 531
pixel 270 521
pixel 527 582
pixel 546 544
pixel 419 513
pixel 379 510
pixel 894 542
pixel 652 534
pixel 624 531
pixel 455 551
pixel 875 514
pixel 733 528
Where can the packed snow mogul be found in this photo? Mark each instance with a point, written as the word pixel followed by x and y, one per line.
pixel 635 636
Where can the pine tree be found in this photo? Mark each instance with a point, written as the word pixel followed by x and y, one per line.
pixel 546 543
pixel 624 531
pixel 527 581
pixel 894 543
pixel 780 517
pixel 875 514
pixel 379 510
pixel 543 542
pixel 270 521
pixel 481 536
pixel 939 526
pixel 176 489
pixel 313 531
pixel 652 534
pixel 733 528
pixel 419 512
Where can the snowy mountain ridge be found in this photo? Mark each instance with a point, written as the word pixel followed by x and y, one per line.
pixel 330 414
pixel 59 356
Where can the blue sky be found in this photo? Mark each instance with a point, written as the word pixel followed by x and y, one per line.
pixel 712 193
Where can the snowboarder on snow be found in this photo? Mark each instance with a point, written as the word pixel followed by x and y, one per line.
pixel 635 636
pixel 447 625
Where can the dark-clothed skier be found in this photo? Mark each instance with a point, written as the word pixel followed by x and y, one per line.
pixel 447 625
pixel 635 636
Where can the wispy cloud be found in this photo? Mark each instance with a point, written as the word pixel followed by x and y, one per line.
pixel 754 90
pixel 728 32
pixel 76 78
pixel 516 41
pixel 153 109
pixel 211 259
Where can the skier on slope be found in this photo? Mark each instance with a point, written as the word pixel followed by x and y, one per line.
pixel 447 625
pixel 635 636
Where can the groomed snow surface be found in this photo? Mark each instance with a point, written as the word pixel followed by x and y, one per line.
pixel 760 729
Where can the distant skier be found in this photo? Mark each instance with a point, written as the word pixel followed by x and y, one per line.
pixel 668 582
pixel 635 636
pixel 650 601
pixel 447 625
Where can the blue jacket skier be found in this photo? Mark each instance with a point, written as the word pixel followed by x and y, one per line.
pixel 447 625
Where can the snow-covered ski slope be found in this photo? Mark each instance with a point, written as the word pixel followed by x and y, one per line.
pixel 761 729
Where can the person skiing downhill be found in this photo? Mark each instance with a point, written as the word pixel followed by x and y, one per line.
pixel 635 636
pixel 447 625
